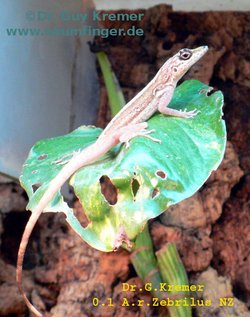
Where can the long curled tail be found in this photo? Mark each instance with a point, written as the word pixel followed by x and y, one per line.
pixel 23 245
pixel 86 157
pixel 53 188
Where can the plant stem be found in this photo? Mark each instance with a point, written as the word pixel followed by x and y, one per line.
pixel 173 273
pixel 115 95
pixel 144 261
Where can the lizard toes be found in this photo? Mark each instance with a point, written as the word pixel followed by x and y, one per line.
pixel 193 113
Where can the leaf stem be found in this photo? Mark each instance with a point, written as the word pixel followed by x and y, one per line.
pixel 173 273
pixel 115 95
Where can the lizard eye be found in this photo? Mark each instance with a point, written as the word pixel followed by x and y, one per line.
pixel 185 54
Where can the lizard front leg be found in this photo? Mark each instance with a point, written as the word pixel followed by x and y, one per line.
pixel 178 113
pixel 164 100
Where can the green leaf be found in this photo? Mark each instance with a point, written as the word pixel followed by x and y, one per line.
pixel 148 177
pixel 46 159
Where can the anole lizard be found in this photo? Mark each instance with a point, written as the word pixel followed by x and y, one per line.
pixel 127 124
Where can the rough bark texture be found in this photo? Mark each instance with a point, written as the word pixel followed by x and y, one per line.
pixel 211 229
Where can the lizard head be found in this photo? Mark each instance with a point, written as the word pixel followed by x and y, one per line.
pixel 180 63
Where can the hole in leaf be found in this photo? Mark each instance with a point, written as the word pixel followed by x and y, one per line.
pixel 161 174
pixel 135 185
pixel 155 193
pixel 42 157
pixel 108 190
pixel 80 212
pixel 208 91
pixel 36 186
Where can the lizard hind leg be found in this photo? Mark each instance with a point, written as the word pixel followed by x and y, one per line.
pixel 131 131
